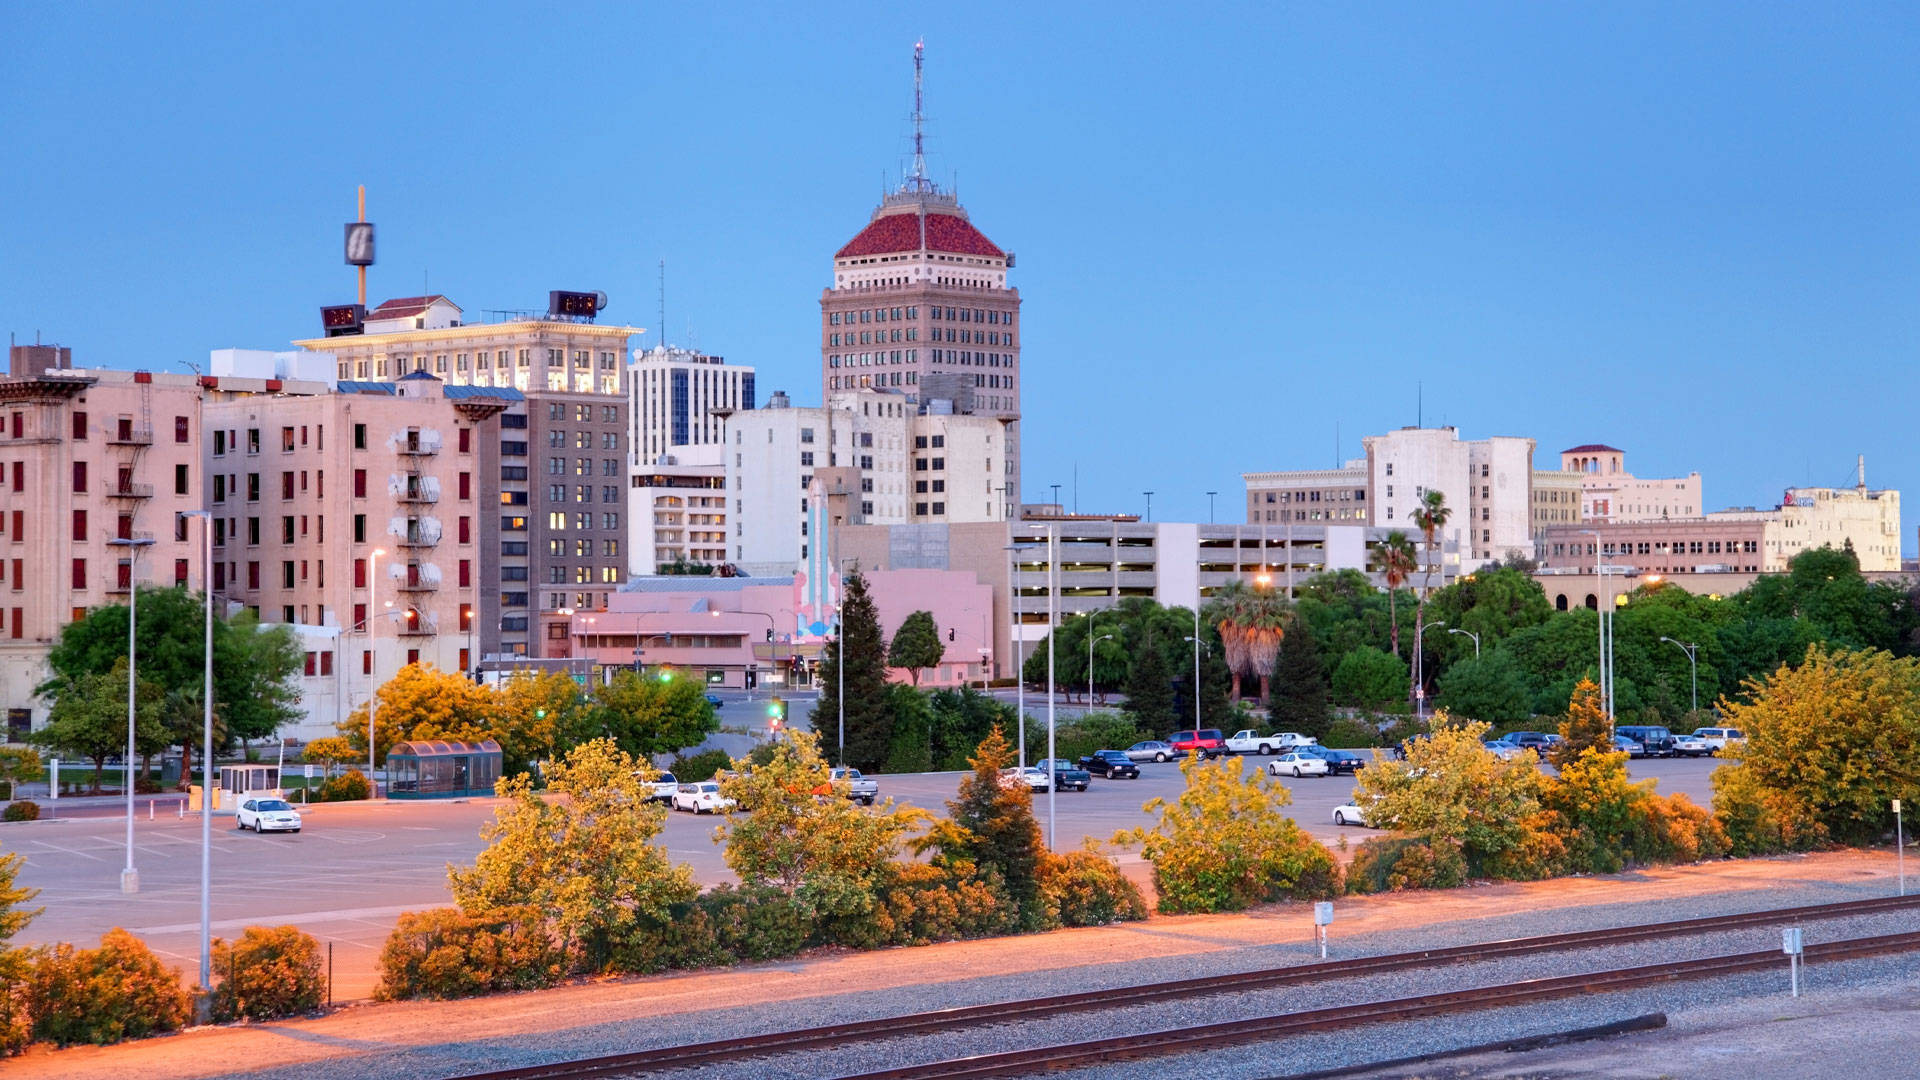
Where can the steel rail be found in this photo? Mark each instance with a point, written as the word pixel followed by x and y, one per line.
pixel 1315 1021
pixel 780 1042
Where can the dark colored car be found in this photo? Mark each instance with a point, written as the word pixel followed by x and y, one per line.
pixel 1112 764
pixel 714 700
pixel 1657 740
pixel 1207 742
pixel 1065 776
pixel 1338 761
pixel 1532 740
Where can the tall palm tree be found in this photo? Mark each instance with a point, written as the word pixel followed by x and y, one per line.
pixel 1430 517
pixel 1252 619
pixel 1397 562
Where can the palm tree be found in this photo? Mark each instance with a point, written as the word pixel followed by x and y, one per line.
pixel 1398 562
pixel 1252 619
pixel 1431 516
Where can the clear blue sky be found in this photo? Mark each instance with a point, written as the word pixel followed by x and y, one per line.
pixel 1686 230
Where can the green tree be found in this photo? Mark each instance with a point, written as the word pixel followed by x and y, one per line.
pixel 1226 843
pixel 1397 564
pixel 916 645
pixel 990 828
pixel 1369 679
pixel 1299 700
pixel 1251 620
pixel 912 747
pixel 1150 702
pixel 1430 517
pixel 1838 735
pixel 961 720
pixel 259 693
pixel 586 861
pixel 1586 726
pixel 1491 603
pixel 89 719
pixel 805 838
pixel 647 715
pixel 1452 790
pixel 539 717
pixel 1490 687
pixel 869 720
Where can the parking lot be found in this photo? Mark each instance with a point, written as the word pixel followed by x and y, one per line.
pixel 356 866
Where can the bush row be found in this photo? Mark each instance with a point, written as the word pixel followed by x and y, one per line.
pixel 65 995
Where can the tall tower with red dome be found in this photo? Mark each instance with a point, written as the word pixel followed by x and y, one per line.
pixel 920 306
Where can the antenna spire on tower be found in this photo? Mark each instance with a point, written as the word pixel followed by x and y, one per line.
pixel 918 181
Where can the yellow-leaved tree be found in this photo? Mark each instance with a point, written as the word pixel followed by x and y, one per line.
pixel 539 717
pixel 1454 792
pixel 1227 843
pixel 585 860
pixel 804 837
pixel 421 702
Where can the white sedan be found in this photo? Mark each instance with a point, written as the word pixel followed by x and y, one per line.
pixel 1297 765
pixel 1348 814
pixel 701 798
pixel 1035 779
pixel 268 815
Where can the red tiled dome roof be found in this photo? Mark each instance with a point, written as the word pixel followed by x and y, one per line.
pixel 901 232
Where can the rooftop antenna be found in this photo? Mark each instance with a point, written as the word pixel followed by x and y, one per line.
pixel 1419 404
pixel 918 181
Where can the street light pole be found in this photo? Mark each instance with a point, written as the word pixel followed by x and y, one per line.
pixel 1471 634
pixel 1053 624
pixel 206 757
pixel 1090 643
pixel 1019 644
pixel 1692 651
pixel 130 877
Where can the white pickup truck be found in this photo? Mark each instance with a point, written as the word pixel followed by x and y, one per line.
pixel 1251 741
pixel 864 788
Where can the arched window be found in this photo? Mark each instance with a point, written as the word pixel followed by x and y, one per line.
pixel 1560 602
pixel 1593 602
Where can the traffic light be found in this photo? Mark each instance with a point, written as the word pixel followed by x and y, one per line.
pixel 666 674
pixel 776 714
pixel 949 633
pixel 769 633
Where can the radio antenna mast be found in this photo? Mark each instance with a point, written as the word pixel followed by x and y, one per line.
pixel 918 181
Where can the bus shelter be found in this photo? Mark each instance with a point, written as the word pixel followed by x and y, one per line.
pixel 435 769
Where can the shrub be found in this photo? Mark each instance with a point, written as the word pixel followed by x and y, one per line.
pixel 1672 829
pixel 1385 863
pixel 1226 843
pixel 1347 733
pixel 700 766
pixel 937 903
pixel 445 953
pixel 146 785
pixel 118 991
pixel 1451 787
pixel 350 786
pixel 989 829
pixel 269 973
pixel 24 810
pixel 1085 888
pixel 1078 739
pixel 1759 820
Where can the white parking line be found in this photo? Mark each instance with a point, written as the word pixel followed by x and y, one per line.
pixel 66 850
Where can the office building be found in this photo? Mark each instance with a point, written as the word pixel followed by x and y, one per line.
pixel 679 398
pixel 1610 493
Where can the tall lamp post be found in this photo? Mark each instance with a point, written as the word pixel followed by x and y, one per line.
pixel 206 756
pixel 1090 643
pixel 1018 639
pixel 1196 670
pixel 1420 670
pixel 373 656
pixel 1693 660
pixel 130 877
pixel 1471 634
pixel 1053 624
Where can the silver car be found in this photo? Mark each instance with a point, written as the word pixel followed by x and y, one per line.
pixel 1151 750
pixel 268 815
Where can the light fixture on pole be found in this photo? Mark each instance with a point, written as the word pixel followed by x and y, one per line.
pixel 1420 668
pixel 206 757
pixel 1090 643
pixel 1210 496
pixel 1196 668
pixel 1471 634
pixel 1693 660
pixel 373 658
pixel 130 877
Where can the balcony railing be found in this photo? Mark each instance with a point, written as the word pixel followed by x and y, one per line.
pixel 416 448
pixel 130 491
pixel 417 628
pixel 418 540
pixel 136 436
pixel 420 494
pixel 418 585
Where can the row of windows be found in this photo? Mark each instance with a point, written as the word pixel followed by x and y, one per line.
pixel 897 356
pixel 581 548
pixel 123 430
pixel 123 483
pixel 581 467
pixel 966 358
pixel 884 378
pixel 876 337
pixel 582 493
pixel 1676 547
pixel 582 440
pixel 873 315
pixel 582 520
pixel 1355 495
pixel 583 414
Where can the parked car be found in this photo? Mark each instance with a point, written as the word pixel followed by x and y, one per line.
pixel 701 798
pixel 1654 741
pixel 1251 741
pixel 1066 776
pixel 1295 763
pixel 1207 742
pixel 1112 764
pixel 1034 779
pixel 1691 746
pixel 714 700
pixel 1536 740
pixel 664 785
pixel 864 788
pixel 267 815
pixel 1506 749
pixel 1719 737
pixel 1633 749
pixel 1348 814
pixel 1338 761
pixel 1150 750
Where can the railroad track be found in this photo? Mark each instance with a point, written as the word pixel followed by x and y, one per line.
pixel 1316 1021
pixel 838 1035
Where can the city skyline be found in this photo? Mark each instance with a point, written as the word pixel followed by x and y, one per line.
pixel 1439 244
